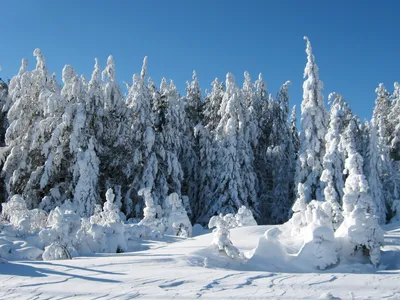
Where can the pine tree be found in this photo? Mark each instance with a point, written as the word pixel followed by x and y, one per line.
pixel 360 226
pixel 191 143
pixel 313 130
pixel 4 99
pixel 262 169
pixel 29 91
pixel 169 117
pixel 143 162
pixel 333 162
pixel 374 180
pixel 236 178
pixel 394 130
pixel 382 109
pixel 205 133
pixel 280 155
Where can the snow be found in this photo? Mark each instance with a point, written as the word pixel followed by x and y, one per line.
pixel 176 268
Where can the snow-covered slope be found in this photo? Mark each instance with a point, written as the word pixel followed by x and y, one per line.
pixel 188 268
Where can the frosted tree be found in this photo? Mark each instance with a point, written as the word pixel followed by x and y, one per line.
pixel 382 109
pixel 113 132
pixel 176 219
pixel 57 150
pixel 221 239
pixel 86 194
pixel 207 156
pixel 205 133
pixel 296 145
pixel 169 117
pixel 373 174
pixel 360 228
pixel 394 117
pixel 387 172
pixel 189 157
pixel 236 177
pixel 4 99
pixel 280 155
pixel 313 130
pixel 152 212
pixel 333 161
pixel 144 164
pixel 264 117
pixel 295 132
pixel 29 92
pixel 212 104
pixel 253 105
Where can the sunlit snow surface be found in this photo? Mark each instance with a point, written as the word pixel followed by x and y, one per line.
pixel 189 269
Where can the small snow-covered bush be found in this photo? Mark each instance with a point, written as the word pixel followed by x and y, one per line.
pixel 244 217
pixel 55 251
pixel 25 221
pixel 221 240
pixel 319 241
pixel 63 224
pixel 104 232
pixel 152 212
pixel 175 218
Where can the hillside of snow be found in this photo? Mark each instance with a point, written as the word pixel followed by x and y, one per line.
pixel 180 268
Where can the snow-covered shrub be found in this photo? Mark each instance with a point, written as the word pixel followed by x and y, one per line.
pixel 63 224
pixel 319 246
pixel 105 228
pixel 221 240
pixel 298 220
pixel 230 220
pixel 176 219
pixel 244 217
pixel 25 221
pixel 152 212
pixel 55 251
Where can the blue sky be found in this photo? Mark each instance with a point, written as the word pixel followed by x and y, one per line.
pixel 356 43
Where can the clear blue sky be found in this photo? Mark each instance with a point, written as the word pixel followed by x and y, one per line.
pixel 356 43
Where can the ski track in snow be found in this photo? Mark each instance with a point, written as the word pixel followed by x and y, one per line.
pixel 171 271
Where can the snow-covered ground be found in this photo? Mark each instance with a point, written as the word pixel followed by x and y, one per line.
pixel 188 268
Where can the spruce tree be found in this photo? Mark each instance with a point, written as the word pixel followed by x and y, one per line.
pixel 313 130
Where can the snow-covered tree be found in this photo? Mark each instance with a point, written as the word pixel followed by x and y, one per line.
pixel 4 100
pixel 205 133
pixel 143 162
pixel 221 240
pixel 152 212
pixel 313 131
pixel 169 116
pixel 394 117
pixel 176 219
pixel 373 174
pixel 333 161
pixel 30 91
pixel 189 157
pixel 86 194
pixel 264 117
pixel 244 217
pixel 113 135
pixel 280 156
pixel 382 109
pixel 212 104
pixel 236 177
pixel 360 230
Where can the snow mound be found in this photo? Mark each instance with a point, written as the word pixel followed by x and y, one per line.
pixel 56 251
